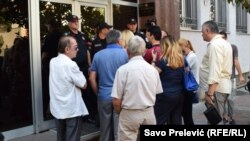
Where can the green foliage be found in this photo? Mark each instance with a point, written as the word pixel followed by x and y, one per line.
pixel 91 16
pixel 212 10
pixel 245 4
pixel 14 11
pixel 57 11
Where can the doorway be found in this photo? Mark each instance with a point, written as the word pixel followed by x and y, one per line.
pixel 90 14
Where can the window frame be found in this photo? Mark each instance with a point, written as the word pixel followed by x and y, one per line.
pixel 218 13
pixel 188 14
pixel 241 19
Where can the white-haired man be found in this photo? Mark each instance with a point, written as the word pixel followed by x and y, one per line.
pixel 134 95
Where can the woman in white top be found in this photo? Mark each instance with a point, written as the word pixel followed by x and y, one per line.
pixel 192 61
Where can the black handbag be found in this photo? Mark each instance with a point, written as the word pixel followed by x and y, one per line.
pixel 212 115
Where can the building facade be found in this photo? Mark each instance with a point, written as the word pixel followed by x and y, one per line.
pixel 23 97
pixel 229 17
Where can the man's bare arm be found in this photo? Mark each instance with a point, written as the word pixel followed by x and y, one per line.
pixel 93 81
pixel 117 103
pixel 238 68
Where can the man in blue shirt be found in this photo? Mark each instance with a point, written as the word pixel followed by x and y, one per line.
pixel 104 65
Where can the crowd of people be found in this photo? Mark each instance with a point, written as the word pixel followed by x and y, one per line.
pixel 124 79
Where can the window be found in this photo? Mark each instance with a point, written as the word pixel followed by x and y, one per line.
pixel 241 19
pixel 218 12
pixel 15 73
pixel 91 16
pixel 188 13
pixel 122 14
pixel 54 10
pixel 58 12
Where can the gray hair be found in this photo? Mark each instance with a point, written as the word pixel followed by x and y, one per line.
pixel 212 26
pixel 113 36
pixel 136 46
pixel 64 42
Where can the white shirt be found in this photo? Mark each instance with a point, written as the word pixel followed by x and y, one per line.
pixel 65 95
pixel 137 84
pixel 193 64
pixel 216 66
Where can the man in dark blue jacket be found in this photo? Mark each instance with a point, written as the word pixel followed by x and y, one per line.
pixel 100 42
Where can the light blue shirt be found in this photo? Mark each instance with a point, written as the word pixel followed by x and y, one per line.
pixel 105 64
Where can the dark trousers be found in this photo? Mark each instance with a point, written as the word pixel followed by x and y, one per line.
pixel 69 129
pixel 168 109
pixel 187 112
pixel 1 137
pixel 90 100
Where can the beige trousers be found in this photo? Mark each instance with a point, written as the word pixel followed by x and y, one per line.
pixel 130 121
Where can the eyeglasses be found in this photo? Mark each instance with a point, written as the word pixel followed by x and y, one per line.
pixel 74 48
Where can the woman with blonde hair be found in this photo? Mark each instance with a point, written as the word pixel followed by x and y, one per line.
pixel 168 106
pixel 126 35
pixel 190 56
pixel 189 96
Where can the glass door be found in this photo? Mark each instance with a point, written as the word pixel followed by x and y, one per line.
pixel 91 15
pixel 15 73
pixel 54 13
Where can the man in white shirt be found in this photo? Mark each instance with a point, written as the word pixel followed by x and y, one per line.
pixel 216 67
pixel 236 66
pixel 134 91
pixel 65 84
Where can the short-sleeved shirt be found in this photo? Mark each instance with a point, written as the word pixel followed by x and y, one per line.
pixel 137 84
pixel 172 80
pixel 97 45
pixel 65 95
pixel 148 55
pixel 105 64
